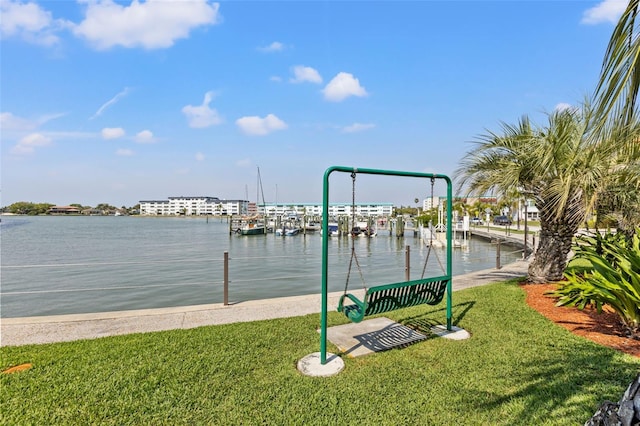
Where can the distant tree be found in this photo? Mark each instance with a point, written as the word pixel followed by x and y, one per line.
pixel 405 210
pixel 427 216
pixel 479 208
pixel 460 206
pixel 105 208
pixel 27 208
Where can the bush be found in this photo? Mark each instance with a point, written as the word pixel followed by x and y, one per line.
pixel 613 278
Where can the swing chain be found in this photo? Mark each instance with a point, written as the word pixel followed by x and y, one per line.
pixel 426 260
pixel 353 202
pixel 353 247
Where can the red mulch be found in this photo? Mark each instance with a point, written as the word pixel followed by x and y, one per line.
pixel 603 328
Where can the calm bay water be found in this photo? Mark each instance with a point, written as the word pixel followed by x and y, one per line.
pixel 61 265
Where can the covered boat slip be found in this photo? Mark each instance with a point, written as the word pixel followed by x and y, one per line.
pixel 386 297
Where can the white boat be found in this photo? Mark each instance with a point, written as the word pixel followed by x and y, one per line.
pixel 287 232
pixel 362 229
pixel 313 227
pixel 333 229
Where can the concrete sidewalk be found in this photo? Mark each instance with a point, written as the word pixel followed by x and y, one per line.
pixel 62 328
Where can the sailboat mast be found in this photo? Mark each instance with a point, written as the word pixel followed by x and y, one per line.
pixel 258 187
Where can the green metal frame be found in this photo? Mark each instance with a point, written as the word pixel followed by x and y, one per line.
pixel 325 242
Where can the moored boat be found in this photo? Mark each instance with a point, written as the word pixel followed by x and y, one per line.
pixel 362 229
pixel 252 229
pixel 333 230
pixel 287 232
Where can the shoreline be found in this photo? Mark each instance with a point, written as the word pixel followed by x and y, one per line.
pixel 70 327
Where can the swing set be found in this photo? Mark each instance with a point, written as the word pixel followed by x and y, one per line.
pixel 387 297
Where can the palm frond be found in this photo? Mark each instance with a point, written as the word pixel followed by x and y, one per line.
pixel 617 90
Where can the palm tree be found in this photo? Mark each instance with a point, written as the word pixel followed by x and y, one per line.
pixel 617 91
pixel 615 107
pixel 559 165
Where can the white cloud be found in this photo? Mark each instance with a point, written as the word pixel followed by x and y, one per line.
pixel 562 106
pixel 145 136
pixel 260 126
pixel 199 156
pixel 110 102
pixel 28 144
pixel 27 21
pixel 112 133
pixel 123 152
pixel 72 135
pixel 202 116
pixel 153 24
pixel 358 127
pixel 8 122
pixel 275 78
pixel 48 117
pixel 606 11
pixel 302 74
pixel 342 86
pixel 276 46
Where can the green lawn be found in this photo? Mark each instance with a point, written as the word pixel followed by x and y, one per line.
pixel 517 368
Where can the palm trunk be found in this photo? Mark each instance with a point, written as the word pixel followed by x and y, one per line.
pixel 551 256
pixel 556 238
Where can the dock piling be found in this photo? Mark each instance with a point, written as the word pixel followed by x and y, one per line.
pixel 225 296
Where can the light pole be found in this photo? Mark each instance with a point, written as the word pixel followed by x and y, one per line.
pixel 525 227
pixel 524 192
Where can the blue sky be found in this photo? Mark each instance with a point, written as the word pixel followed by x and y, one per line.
pixel 119 101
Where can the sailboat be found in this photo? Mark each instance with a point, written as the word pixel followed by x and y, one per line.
pixel 255 225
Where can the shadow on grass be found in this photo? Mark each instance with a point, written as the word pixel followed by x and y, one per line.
pixel 392 336
pixel 423 322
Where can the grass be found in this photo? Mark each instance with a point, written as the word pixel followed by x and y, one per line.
pixel 517 368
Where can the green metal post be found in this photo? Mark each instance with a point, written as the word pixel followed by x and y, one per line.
pixel 325 266
pixel 449 249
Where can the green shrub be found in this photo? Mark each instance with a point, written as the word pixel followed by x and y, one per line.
pixel 613 278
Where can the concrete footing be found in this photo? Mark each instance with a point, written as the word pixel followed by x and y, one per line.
pixel 456 333
pixel 311 365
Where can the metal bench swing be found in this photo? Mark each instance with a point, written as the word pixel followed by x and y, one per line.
pixel 389 297
pixel 383 298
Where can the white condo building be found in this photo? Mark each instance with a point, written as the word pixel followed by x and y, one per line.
pixel 335 209
pixel 201 205
pixel 193 206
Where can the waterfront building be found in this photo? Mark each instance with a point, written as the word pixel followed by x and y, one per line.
pixel 193 206
pixel 335 209
pixel 64 210
pixel 430 202
pixel 205 205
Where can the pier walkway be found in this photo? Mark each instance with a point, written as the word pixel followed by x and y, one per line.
pixel 63 328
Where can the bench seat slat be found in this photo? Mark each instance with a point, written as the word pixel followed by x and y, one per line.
pixel 389 297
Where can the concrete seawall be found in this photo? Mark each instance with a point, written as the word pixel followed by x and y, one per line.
pixel 63 328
